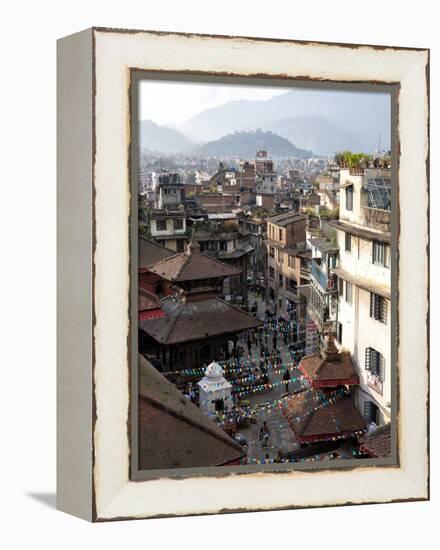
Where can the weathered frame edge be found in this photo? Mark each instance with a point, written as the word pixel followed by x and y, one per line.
pixel 74 274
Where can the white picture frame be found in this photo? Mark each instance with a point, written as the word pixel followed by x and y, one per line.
pixel 94 209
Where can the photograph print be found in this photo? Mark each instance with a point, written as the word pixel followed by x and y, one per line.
pixel 265 240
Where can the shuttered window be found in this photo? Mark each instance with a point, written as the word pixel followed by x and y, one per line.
pixel 348 292
pixel 375 363
pixel 380 253
pixel 348 242
pixel 378 307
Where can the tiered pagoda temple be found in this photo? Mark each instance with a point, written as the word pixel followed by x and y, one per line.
pixel 326 410
pixel 197 325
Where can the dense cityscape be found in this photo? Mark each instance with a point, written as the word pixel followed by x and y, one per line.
pixel 264 309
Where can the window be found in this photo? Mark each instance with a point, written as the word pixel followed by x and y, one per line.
pixel 178 224
pixel 272 251
pixel 271 272
pixel 378 307
pixel 375 363
pixel 370 412
pixel 340 287
pixel 280 234
pixel 348 242
pixel 161 225
pixel 348 292
pixel 280 280
pixel 339 333
pixel 291 261
pixel 380 253
pixel 349 197
pixel 291 284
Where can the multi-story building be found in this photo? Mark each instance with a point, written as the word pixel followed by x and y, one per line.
pixel 169 190
pixel 219 237
pixel 150 253
pixel 252 229
pixel 168 228
pixel 266 176
pixel 328 189
pixel 323 300
pixel 217 202
pixel 285 249
pixel 246 175
pixel 364 280
pixel 225 180
pixel 266 201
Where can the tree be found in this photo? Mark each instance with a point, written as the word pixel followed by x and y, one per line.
pixel 347 159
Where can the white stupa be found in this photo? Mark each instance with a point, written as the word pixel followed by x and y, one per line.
pixel 215 392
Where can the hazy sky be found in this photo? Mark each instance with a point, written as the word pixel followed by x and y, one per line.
pixel 174 102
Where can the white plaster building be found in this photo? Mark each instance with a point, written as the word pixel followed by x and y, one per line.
pixel 364 286
pixel 215 392
pixel 266 176
pixel 168 228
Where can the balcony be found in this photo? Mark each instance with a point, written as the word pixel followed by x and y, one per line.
pixel 305 273
pixel 376 218
pixel 291 292
pixel 328 284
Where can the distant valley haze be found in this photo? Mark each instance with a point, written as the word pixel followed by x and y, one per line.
pixel 313 120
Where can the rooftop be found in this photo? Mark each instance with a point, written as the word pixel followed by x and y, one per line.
pixel 329 369
pixel 173 432
pixel 323 245
pixel 378 443
pixel 286 218
pixel 222 216
pixel 166 213
pixel 150 252
pixel 361 231
pixel 147 300
pixel 315 417
pixel 192 265
pixel 186 321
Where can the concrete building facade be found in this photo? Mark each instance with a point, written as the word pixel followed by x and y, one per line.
pixel 285 246
pixel 364 281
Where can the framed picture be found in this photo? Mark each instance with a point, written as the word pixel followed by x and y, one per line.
pixel 243 282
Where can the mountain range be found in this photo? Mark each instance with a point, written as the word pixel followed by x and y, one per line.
pixel 323 121
pixel 161 138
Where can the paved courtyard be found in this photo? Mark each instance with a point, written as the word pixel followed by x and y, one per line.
pixel 266 404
